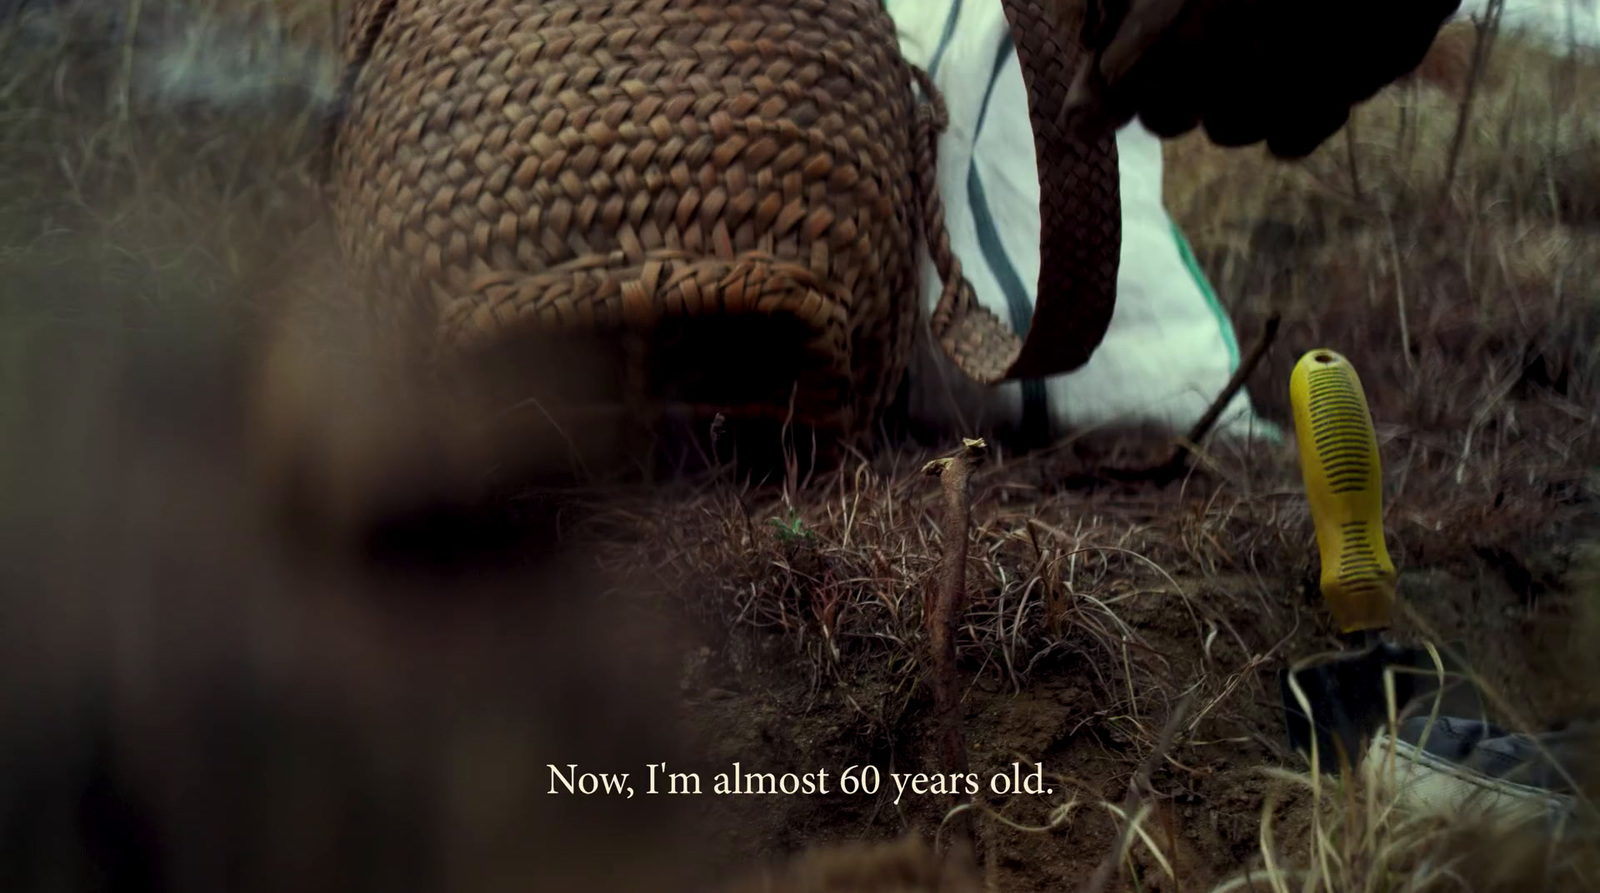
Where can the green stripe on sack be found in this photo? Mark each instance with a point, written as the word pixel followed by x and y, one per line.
pixel 1224 323
pixel 1259 427
pixel 944 38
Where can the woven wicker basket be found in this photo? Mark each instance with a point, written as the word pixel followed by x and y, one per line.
pixel 748 182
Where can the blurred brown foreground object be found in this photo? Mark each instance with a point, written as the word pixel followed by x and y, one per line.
pixel 188 705
pixel 354 439
pixel 904 866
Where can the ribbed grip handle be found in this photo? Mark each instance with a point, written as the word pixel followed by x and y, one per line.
pixel 1344 484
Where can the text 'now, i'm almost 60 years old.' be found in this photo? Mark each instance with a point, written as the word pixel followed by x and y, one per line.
pixel 570 779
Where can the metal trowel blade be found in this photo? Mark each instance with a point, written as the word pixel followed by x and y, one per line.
pixel 1349 699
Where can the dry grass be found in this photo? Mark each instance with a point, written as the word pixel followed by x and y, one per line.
pixel 110 212
pixel 1366 843
pixel 1471 313
pixel 1454 302
pixel 1473 317
pixel 1364 837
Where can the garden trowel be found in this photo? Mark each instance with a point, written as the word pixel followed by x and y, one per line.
pixel 1336 703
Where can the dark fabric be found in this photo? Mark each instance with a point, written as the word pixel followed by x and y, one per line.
pixel 1286 72
pixel 1547 760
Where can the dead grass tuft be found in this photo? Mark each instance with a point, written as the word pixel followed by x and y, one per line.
pixel 1364 841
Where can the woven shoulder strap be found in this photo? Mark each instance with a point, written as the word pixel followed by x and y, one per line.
pixel 1080 216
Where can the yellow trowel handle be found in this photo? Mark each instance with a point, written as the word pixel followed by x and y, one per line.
pixel 1344 483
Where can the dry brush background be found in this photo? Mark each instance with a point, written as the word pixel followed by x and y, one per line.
pixel 1448 242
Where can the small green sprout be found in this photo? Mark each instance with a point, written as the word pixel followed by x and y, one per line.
pixel 793 530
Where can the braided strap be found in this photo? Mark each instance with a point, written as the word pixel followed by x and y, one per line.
pixel 1080 215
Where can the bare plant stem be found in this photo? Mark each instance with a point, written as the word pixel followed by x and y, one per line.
pixel 1350 158
pixel 125 87
pixel 1400 296
pixel 949 601
pixel 1487 27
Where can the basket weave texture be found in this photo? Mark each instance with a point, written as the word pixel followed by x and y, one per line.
pixel 596 165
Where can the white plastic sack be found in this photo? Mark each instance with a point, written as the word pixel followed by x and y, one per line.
pixel 1170 348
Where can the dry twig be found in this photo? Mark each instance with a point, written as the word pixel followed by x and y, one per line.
pixel 1487 27
pixel 949 601
pixel 1138 787
pixel 1173 468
